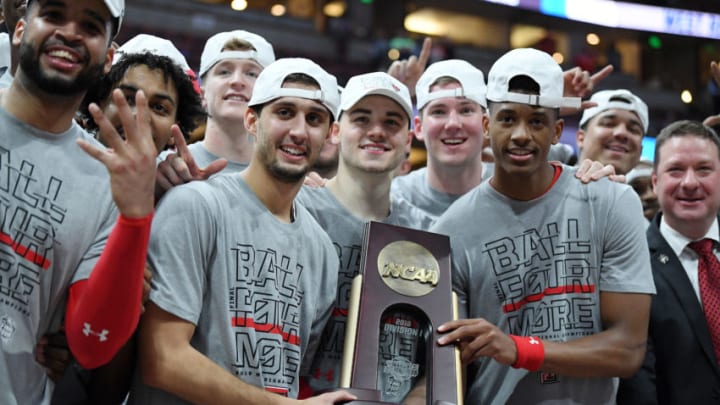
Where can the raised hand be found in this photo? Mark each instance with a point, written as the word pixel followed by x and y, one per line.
pixel 130 161
pixel 579 83
pixel 408 71
pixel 180 167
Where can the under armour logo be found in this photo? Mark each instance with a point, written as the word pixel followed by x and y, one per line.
pixel 533 341
pixel 102 336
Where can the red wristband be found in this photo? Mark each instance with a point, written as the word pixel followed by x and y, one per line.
pixel 530 352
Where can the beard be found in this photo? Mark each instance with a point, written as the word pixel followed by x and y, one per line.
pixel 276 169
pixel 287 175
pixel 30 64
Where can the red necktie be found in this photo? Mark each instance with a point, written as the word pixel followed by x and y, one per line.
pixel 709 281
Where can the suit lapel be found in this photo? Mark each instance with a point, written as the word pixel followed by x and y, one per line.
pixel 666 264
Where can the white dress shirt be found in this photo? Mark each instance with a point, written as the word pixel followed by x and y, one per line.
pixel 688 258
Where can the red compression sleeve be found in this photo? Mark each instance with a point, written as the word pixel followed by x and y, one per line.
pixel 103 311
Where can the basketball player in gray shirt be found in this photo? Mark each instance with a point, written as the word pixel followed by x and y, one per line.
pixel 546 269
pixel 374 136
pixel 245 278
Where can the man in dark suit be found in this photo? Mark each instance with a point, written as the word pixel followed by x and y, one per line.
pixel 681 362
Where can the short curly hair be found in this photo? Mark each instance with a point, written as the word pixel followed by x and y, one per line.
pixel 190 111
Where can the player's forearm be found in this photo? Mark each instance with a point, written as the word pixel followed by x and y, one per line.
pixel 617 351
pixel 103 311
pixel 190 375
pixel 611 353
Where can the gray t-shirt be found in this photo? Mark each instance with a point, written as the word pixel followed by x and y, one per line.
pixel 346 232
pixel 57 212
pixel 259 291
pixel 415 189
pixel 536 268
pixel 204 157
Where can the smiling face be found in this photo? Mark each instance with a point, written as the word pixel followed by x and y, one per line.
pixel 228 86
pixel 612 137
pixel 374 135
pixel 687 183
pixel 520 137
pixel 451 128
pixel 64 45
pixel 290 132
pixel 162 97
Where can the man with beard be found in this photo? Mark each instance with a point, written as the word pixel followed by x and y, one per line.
pixel 245 278
pixel 61 236
pixel 156 67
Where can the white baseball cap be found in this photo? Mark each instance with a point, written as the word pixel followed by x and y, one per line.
pixel 268 85
pixel 471 79
pixel 116 7
pixel 378 83
pixel 538 66
pixel 150 43
pixel 621 99
pixel 213 51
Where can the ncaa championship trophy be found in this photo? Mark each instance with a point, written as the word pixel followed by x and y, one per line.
pixel 402 294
